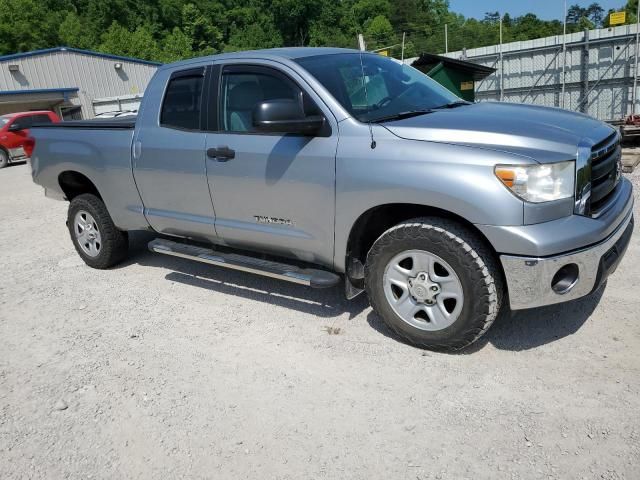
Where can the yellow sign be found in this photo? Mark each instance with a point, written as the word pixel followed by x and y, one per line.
pixel 384 53
pixel 466 86
pixel 617 18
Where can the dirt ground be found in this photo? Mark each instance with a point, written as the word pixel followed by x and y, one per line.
pixel 164 368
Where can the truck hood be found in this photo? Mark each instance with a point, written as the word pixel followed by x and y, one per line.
pixel 541 134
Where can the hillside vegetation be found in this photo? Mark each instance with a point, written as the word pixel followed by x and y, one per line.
pixel 168 30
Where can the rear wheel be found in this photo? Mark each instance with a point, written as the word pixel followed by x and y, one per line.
pixel 434 283
pixel 4 158
pixel 95 237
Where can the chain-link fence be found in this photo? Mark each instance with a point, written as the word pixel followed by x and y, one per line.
pixel 590 71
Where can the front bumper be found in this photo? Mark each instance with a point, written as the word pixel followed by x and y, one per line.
pixel 530 279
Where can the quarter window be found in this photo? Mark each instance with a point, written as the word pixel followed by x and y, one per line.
pixel 181 106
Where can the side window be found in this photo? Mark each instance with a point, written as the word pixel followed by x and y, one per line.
pixel 40 119
pixel 242 91
pixel 25 122
pixel 181 106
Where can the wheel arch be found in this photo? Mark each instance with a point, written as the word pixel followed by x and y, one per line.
pixel 73 183
pixel 374 222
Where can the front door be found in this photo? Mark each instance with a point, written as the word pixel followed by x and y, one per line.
pixel 169 158
pixel 271 191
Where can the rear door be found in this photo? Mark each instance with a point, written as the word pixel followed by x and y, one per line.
pixel 277 192
pixel 169 155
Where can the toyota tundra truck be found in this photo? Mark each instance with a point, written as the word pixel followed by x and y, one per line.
pixel 320 165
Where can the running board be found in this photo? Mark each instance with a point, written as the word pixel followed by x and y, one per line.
pixel 282 271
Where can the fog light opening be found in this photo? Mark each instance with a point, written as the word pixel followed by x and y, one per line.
pixel 565 279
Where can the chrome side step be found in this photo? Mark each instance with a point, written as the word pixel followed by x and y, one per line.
pixel 282 271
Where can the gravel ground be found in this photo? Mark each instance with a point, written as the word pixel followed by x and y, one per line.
pixel 164 368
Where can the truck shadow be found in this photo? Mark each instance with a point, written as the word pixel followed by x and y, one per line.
pixel 515 331
pixel 525 329
pixel 324 303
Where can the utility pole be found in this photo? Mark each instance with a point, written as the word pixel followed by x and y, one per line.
pixel 501 64
pixel 564 55
pixel 634 94
pixel 361 45
pixel 446 38
pixel 402 54
pixel 584 101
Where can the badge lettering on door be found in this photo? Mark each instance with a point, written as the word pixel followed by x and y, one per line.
pixel 272 220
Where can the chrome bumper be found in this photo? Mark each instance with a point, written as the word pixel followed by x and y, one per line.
pixel 529 279
pixel 17 154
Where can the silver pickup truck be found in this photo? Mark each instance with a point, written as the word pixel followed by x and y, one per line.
pixel 314 165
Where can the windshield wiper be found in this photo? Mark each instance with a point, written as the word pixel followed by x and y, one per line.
pixel 458 103
pixel 401 115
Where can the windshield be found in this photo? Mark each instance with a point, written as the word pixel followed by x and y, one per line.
pixel 4 121
pixel 387 89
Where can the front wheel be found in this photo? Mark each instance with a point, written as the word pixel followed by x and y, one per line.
pixel 4 158
pixel 94 235
pixel 434 283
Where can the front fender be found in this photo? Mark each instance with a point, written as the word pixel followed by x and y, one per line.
pixel 453 178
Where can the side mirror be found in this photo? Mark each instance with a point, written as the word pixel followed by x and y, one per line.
pixel 285 116
pixel 16 127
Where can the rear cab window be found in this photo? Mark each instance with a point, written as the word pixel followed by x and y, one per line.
pixel 182 104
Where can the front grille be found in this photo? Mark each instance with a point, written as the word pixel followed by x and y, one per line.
pixel 605 172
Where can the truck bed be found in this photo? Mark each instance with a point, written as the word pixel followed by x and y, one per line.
pixel 100 151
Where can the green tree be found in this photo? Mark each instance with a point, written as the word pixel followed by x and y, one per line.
pixel 28 25
pixel 140 43
pixel 177 45
pixel 365 10
pixel 168 30
pixel 595 13
pixel 262 35
pixel 74 33
pixel 295 18
pixel 379 32
pixel 205 36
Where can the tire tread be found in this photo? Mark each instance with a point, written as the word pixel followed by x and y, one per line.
pixel 115 243
pixel 479 258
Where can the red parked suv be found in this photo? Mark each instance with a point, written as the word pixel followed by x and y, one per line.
pixel 15 143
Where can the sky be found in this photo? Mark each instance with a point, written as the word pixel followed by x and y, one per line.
pixel 545 9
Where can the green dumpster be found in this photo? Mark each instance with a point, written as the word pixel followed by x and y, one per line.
pixel 456 75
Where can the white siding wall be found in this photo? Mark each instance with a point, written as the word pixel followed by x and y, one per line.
pixel 95 76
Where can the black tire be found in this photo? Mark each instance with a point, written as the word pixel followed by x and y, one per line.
pixel 472 261
pixel 114 243
pixel 4 158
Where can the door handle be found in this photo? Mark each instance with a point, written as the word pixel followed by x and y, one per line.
pixel 222 154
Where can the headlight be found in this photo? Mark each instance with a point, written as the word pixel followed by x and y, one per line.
pixel 539 183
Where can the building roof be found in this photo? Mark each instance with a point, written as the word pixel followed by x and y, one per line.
pixel 39 90
pixel 46 51
pixel 430 61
